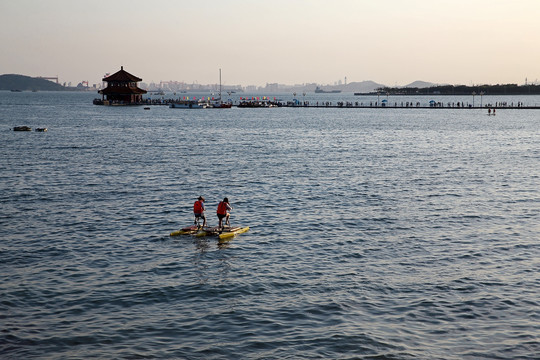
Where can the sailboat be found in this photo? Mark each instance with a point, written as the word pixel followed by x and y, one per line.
pixel 218 104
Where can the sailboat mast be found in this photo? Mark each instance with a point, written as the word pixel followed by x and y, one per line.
pixel 219 84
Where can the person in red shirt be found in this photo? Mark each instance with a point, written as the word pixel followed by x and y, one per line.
pixel 198 210
pixel 223 212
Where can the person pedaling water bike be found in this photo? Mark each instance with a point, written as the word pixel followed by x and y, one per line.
pixel 198 211
pixel 223 212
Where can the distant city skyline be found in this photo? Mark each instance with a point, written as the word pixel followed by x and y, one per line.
pixel 290 42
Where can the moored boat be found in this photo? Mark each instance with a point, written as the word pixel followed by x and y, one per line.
pixel 218 104
pixel 187 104
pixel 221 105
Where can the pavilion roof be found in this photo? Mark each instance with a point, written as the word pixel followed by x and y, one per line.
pixel 122 76
pixel 122 90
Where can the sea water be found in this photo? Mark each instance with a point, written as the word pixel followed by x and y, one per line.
pixel 374 233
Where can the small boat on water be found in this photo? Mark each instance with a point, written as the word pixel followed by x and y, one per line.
pixel 218 104
pixel 22 128
pixel 318 90
pixel 221 105
pixel 187 104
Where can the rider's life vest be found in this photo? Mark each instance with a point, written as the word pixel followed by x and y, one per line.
pixel 222 208
pixel 198 207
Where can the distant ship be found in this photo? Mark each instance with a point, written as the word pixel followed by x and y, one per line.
pixel 318 90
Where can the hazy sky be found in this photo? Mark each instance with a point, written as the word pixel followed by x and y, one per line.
pixel 393 42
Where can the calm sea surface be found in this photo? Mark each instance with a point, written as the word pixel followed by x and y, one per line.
pixel 374 233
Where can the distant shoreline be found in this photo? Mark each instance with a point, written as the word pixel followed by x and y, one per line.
pixel 432 95
pixel 19 83
pixel 459 90
pixel 369 88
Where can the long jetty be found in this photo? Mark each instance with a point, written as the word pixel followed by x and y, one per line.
pixel 359 105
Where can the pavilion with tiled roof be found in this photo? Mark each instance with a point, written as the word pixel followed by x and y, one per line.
pixel 122 89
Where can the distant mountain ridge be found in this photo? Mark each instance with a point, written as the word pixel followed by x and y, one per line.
pixel 27 83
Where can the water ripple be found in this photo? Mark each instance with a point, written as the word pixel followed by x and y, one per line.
pixel 373 235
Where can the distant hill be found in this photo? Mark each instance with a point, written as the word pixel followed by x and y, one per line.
pixel 27 83
pixel 419 84
pixel 367 86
